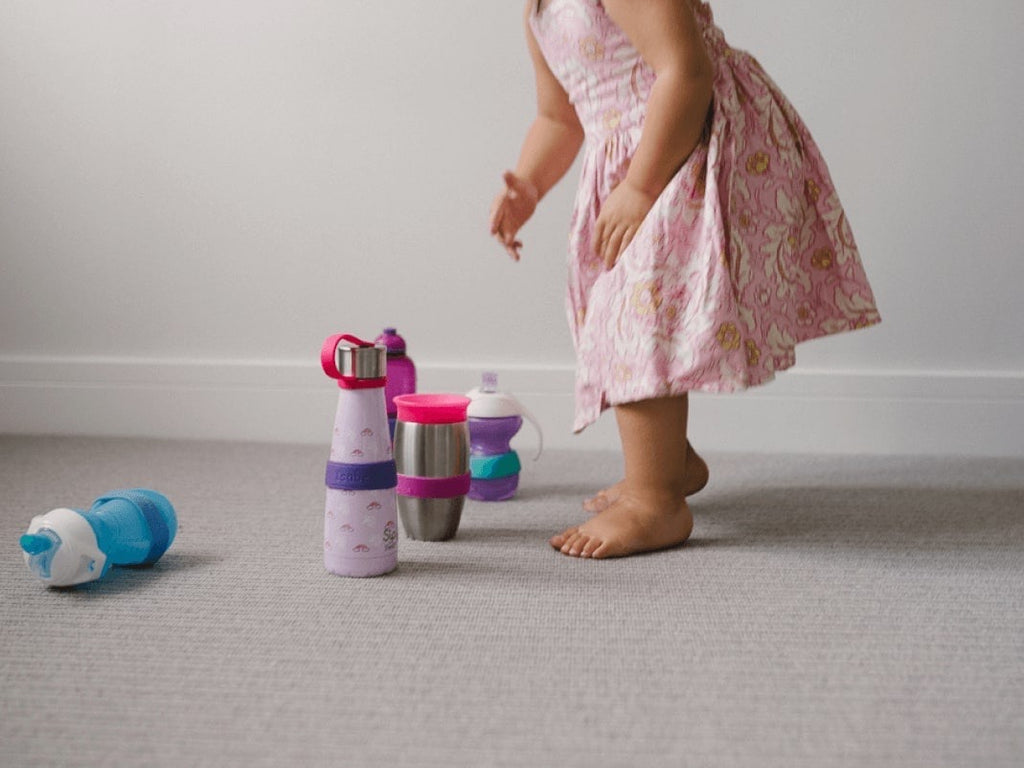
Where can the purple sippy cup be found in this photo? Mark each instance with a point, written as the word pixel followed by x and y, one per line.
pixel 361 513
pixel 401 373
pixel 494 418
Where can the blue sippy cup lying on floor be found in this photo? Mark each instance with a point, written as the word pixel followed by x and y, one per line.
pixel 65 547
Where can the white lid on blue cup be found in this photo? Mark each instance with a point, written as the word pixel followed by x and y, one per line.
pixel 60 548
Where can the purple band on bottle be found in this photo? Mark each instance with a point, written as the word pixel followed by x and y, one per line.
pixel 361 477
pixel 433 487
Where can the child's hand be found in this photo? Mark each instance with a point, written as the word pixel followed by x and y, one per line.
pixel 511 209
pixel 621 214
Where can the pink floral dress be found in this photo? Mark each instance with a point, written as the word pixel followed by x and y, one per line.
pixel 746 252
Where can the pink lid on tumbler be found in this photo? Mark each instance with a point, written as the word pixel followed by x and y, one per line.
pixel 428 408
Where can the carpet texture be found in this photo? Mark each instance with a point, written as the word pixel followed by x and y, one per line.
pixel 828 611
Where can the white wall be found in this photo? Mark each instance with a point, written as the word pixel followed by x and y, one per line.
pixel 192 195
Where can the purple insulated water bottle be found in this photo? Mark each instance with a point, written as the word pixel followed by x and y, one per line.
pixel 361 513
pixel 401 373
pixel 494 418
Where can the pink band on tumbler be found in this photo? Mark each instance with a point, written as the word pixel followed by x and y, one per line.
pixel 433 487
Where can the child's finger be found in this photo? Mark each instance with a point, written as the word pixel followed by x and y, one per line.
pixel 598 244
pixel 611 242
pixel 612 248
pixel 500 203
pixel 627 238
pixel 497 218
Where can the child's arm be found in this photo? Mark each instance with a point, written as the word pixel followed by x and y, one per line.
pixel 548 151
pixel 667 36
pixel 556 134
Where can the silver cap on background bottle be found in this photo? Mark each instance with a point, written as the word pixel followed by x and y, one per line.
pixel 353 361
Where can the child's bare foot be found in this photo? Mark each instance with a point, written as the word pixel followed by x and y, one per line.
pixel 634 522
pixel 696 478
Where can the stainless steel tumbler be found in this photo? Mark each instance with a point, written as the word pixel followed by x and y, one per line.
pixel 432 460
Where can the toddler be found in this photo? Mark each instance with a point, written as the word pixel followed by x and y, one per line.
pixel 706 239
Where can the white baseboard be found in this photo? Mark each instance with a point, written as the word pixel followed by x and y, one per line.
pixel 804 411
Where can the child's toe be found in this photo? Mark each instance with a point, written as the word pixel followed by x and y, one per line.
pixel 577 545
pixel 593 545
pixel 603 549
pixel 558 541
pixel 570 542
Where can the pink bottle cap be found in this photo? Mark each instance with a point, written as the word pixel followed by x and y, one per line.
pixel 424 408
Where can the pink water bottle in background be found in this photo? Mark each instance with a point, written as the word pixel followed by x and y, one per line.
pixel 361 514
pixel 401 373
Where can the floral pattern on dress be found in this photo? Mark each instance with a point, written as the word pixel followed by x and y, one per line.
pixel 746 252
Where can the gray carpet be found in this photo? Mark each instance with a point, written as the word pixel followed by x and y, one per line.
pixel 827 612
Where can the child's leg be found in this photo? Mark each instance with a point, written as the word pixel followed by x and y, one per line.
pixel 696 478
pixel 650 511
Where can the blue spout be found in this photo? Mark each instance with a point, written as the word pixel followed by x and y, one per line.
pixel 36 543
